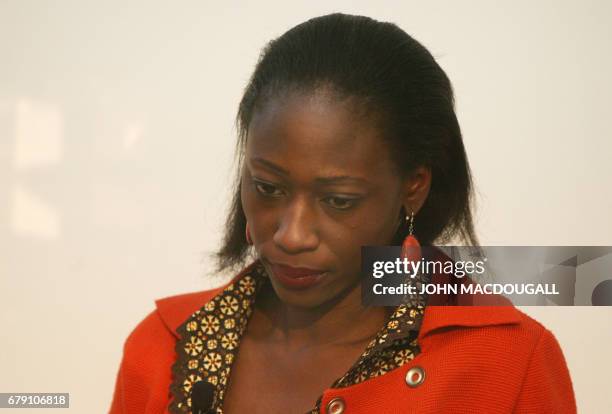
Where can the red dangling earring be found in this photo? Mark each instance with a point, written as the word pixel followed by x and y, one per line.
pixel 248 235
pixel 411 248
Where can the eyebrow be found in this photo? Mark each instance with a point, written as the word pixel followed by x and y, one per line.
pixel 321 180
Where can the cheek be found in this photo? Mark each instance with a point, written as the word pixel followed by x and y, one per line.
pixel 261 216
pixel 248 196
pixel 375 224
pixel 345 239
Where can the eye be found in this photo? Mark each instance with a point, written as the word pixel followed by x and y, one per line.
pixel 340 203
pixel 267 189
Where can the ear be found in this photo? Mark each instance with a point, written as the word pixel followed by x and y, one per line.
pixel 416 189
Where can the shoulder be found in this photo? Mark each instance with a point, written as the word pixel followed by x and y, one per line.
pixel 144 374
pixel 497 327
pixel 174 310
pixel 517 357
pixel 545 384
pixel 527 331
pixel 171 311
pixel 489 338
pixel 540 345
pixel 149 352
pixel 490 319
pixel 154 337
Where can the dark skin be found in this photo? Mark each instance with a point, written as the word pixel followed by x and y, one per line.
pixel 317 184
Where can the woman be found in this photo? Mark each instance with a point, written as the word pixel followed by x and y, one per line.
pixel 348 138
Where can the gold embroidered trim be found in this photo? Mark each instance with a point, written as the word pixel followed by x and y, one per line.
pixel 210 338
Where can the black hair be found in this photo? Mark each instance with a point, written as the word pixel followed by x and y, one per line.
pixel 392 75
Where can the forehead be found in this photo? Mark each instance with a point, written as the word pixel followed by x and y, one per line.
pixel 318 134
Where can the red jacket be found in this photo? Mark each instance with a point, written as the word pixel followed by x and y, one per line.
pixel 476 360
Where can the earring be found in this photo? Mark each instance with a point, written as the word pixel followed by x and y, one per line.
pixel 411 248
pixel 248 235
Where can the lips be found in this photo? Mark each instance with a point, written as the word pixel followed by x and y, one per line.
pixel 296 277
pixel 296 271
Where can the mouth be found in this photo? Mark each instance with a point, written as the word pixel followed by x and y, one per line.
pixel 296 277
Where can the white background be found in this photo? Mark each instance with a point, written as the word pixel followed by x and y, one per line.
pixel 116 143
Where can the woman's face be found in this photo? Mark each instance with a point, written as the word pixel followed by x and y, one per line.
pixel 317 184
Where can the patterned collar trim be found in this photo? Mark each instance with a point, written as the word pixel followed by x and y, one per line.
pixel 210 337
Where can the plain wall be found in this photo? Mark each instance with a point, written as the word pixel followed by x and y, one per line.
pixel 116 143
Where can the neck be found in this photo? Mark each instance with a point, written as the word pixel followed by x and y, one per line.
pixel 332 323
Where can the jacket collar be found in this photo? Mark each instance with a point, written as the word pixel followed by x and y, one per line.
pixel 437 317
pixel 442 311
pixel 446 310
pixel 174 310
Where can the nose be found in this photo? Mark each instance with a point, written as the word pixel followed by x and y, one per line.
pixel 296 230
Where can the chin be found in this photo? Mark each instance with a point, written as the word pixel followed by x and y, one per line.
pixel 309 298
pixel 302 298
